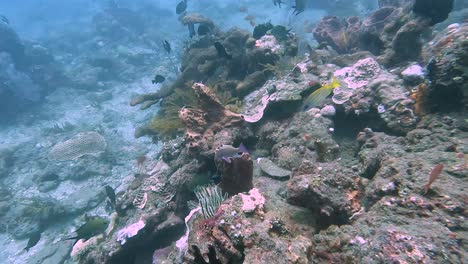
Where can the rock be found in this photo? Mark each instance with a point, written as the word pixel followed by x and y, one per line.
pixel 160 255
pixel 406 45
pixel 288 156
pixel 129 231
pixel 360 74
pixel 448 89
pixel 35 214
pixel 272 170
pixel 341 35
pixel 371 34
pixel 48 186
pixel 327 150
pixel 82 200
pixel 12 44
pixel 54 253
pixel 413 74
pixel 328 110
pixel 314 187
pixel 436 10
pixel 253 201
pixel 18 89
pixel 244 236
pixel 395 3
pixel 252 81
pixel 385 94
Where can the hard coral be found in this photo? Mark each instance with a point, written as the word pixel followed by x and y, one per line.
pixel 87 143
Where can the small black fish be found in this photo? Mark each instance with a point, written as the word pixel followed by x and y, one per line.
pixel 203 30
pixel 49 177
pixel 278 3
pixel 158 79
pixel 33 239
pixel 222 51
pixel 191 29
pixel 299 7
pixel 181 7
pixel 167 46
pixel 110 194
pixel 4 19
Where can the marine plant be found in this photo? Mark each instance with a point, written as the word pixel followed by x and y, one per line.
pixel 167 123
pixel 230 102
pixel 166 126
pixel 210 197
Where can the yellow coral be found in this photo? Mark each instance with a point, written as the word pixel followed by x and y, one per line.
pixel 167 123
pixel 167 127
pixel 232 103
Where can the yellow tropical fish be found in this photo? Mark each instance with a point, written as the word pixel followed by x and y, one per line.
pixel 321 93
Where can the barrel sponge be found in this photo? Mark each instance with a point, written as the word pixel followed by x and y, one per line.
pixel 86 143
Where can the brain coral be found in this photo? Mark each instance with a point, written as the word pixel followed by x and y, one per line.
pixel 86 143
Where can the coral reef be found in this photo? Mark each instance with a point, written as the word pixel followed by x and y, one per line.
pixel 446 69
pixel 242 236
pixel 394 196
pixel 391 32
pixel 344 182
pixel 245 72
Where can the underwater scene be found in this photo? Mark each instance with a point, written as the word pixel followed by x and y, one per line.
pixel 233 131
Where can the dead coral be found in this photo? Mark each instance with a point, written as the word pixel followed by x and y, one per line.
pixel 147 100
pixel 203 124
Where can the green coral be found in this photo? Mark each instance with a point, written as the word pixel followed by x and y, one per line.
pixel 232 103
pixel 166 127
pixel 167 123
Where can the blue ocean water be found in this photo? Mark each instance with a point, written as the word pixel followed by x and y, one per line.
pixel 76 151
